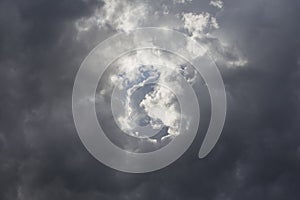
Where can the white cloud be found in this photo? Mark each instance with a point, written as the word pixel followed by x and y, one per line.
pixel 200 28
pixel 125 15
pixel 136 71
pixel 161 105
pixel 217 3
pixel 199 24
pixel 121 15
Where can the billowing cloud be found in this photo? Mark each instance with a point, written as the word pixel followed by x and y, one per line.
pixel 160 105
pixel 139 69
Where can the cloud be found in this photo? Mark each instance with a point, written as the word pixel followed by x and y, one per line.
pixel 225 54
pixel 198 25
pixel 135 14
pixel 181 1
pixel 160 104
pixel 41 156
pixel 121 15
pixel 217 3
pixel 139 69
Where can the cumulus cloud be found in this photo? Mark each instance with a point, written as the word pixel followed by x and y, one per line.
pixel 160 104
pixel 138 69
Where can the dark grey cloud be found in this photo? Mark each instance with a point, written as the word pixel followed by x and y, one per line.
pixel 41 156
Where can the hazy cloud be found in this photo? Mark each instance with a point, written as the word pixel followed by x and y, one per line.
pixel 217 3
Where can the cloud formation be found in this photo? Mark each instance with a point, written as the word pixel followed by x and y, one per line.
pixel 121 15
pixel 139 69
pixel 41 156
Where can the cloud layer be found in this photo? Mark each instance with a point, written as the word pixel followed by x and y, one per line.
pixel 257 50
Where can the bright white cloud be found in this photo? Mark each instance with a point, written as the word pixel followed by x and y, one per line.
pixel 161 105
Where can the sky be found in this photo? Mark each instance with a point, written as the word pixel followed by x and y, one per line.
pixel 256 46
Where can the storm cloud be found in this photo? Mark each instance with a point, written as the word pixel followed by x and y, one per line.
pixel 256 45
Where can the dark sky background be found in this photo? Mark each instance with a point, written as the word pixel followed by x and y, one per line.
pixel 42 157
